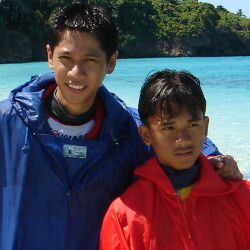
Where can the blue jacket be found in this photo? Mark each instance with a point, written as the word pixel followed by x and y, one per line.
pixel 53 202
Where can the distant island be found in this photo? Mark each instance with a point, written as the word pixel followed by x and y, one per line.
pixel 147 28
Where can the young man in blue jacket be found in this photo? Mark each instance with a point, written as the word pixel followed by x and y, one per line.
pixel 68 146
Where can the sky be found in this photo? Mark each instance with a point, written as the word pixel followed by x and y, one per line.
pixel 232 5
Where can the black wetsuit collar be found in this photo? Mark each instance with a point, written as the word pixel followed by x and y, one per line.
pixel 182 178
pixel 55 109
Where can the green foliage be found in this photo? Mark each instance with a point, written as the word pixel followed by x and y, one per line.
pixel 139 21
pixel 234 23
pixel 166 18
pixel 134 21
pixel 185 18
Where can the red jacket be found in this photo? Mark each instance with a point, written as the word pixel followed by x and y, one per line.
pixel 150 215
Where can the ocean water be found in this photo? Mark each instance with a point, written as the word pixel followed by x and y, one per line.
pixel 225 82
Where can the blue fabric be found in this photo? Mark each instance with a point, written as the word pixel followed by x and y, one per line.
pixel 209 148
pixel 182 178
pixel 40 208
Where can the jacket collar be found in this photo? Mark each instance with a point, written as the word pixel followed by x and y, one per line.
pixel 27 101
pixel 208 183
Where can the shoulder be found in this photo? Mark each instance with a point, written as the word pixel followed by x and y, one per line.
pixel 134 113
pixel 136 201
pixel 241 197
pixel 113 102
pixel 138 197
pixel 44 78
pixel 243 191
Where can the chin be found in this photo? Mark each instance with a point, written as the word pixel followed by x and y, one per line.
pixel 185 165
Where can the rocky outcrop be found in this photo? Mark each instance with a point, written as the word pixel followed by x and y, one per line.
pixel 19 48
pixel 218 43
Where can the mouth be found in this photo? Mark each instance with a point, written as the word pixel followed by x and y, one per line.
pixel 184 153
pixel 77 87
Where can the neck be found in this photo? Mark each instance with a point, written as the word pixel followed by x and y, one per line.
pixel 73 109
pixel 182 178
pixel 55 109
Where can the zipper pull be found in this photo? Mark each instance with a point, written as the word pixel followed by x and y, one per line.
pixel 178 192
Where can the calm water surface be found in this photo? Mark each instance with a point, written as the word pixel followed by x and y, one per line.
pixel 225 82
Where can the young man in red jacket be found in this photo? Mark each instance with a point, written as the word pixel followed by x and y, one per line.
pixel 178 202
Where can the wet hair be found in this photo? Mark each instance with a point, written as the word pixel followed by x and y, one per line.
pixel 87 18
pixel 166 92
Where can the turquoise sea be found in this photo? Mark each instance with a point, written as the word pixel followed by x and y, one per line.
pixel 225 81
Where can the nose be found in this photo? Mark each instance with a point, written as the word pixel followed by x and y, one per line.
pixel 182 137
pixel 76 71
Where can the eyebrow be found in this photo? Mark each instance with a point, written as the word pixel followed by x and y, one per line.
pixel 167 123
pixel 66 52
pixel 171 121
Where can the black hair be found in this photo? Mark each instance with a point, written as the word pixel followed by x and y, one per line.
pixel 167 92
pixel 79 16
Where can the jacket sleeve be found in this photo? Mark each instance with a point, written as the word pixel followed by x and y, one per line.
pixel 114 233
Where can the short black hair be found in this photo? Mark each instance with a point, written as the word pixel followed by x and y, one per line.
pixel 79 16
pixel 167 92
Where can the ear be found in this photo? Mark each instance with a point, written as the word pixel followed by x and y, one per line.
pixel 206 125
pixel 145 135
pixel 50 56
pixel 112 63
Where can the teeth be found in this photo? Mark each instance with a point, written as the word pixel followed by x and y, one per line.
pixel 76 87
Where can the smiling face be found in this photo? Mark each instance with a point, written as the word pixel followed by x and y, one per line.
pixel 80 66
pixel 177 142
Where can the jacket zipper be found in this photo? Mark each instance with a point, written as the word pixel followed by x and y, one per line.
pixel 183 209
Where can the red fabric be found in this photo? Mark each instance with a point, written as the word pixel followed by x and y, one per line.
pixel 99 116
pixel 149 215
pixel 48 90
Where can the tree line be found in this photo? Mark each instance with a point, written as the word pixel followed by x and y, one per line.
pixel 145 26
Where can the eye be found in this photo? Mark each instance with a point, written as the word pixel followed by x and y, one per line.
pixel 193 124
pixel 168 128
pixel 89 59
pixel 64 57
